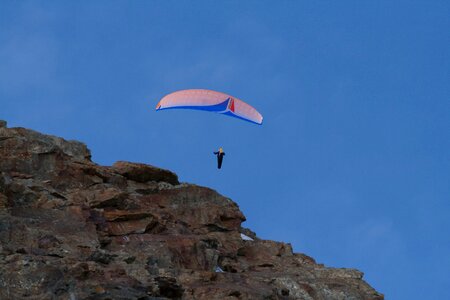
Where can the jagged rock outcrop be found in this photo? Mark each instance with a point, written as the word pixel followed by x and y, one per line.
pixel 71 229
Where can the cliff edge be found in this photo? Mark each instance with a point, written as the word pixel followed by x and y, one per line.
pixel 71 229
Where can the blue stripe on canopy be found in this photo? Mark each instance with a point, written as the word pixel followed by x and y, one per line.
pixel 231 114
pixel 215 108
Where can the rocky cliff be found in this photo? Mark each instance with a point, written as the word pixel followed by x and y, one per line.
pixel 71 229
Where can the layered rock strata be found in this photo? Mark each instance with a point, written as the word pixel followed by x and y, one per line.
pixel 71 229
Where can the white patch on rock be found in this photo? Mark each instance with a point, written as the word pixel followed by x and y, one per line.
pixel 246 237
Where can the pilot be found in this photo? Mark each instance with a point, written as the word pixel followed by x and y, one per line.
pixel 220 155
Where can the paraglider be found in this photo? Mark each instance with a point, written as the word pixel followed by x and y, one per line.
pixel 212 101
pixel 220 155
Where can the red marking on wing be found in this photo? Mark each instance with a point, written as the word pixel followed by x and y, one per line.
pixel 232 105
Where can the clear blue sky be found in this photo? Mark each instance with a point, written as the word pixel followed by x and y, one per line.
pixel 352 163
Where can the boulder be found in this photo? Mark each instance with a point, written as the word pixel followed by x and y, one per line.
pixel 144 173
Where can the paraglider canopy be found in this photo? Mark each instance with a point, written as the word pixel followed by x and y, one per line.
pixel 212 101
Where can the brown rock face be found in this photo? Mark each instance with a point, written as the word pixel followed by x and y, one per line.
pixel 71 229
pixel 144 173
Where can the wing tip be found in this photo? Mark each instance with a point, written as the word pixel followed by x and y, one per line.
pixel 260 122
